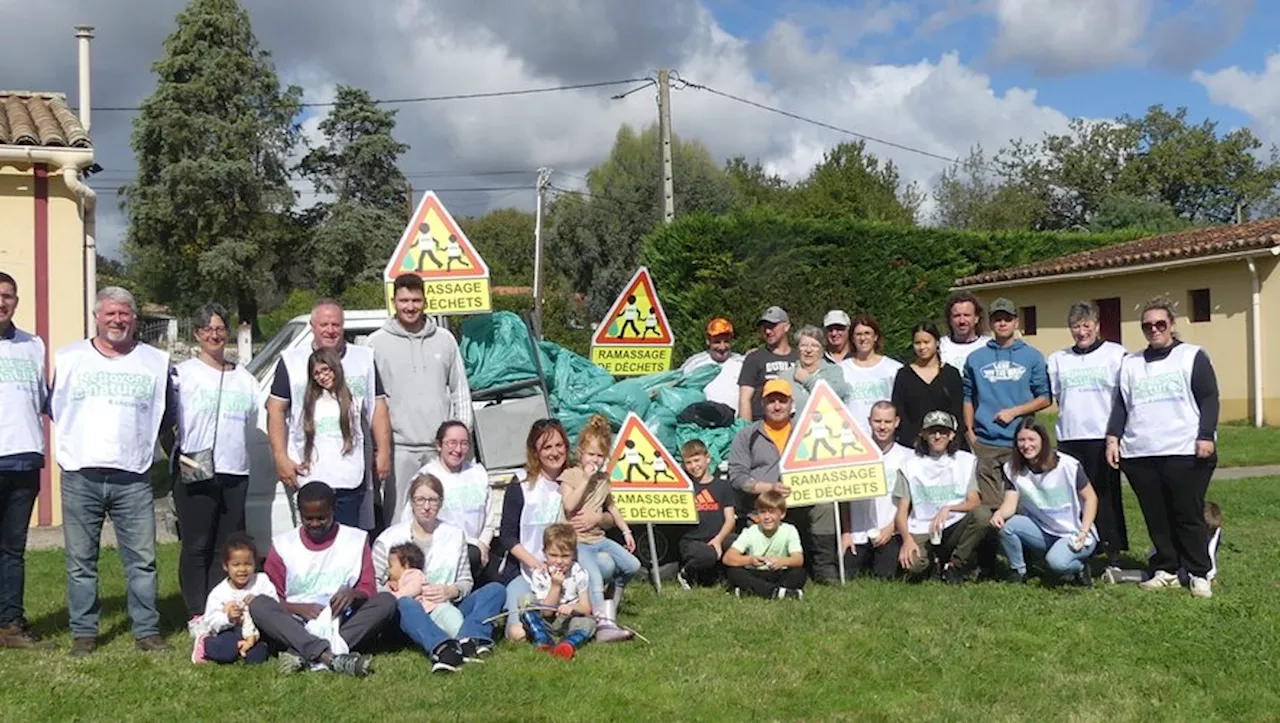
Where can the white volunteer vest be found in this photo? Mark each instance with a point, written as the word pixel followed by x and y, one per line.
pixel 313 576
pixel 1050 498
pixel 201 407
pixel 878 511
pixel 1163 418
pixel 107 411
pixel 357 367
pixel 329 463
pixel 1084 386
pixel 955 354
pixel 447 546
pixel 934 484
pixel 868 385
pixel 466 496
pixel 542 507
pixel 22 394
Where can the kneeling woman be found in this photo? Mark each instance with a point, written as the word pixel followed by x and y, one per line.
pixel 939 512
pixel 455 630
pixel 1049 507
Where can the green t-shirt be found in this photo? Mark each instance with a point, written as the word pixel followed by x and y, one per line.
pixel 753 542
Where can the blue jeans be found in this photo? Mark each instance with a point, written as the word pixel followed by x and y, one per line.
pixel 88 497
pixel 346 506
pixel 1021 532
pixel 606 561
pixel 476 608
pixel 18 493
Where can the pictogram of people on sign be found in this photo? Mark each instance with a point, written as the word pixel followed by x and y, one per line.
pixel 427 246
pixel 635 462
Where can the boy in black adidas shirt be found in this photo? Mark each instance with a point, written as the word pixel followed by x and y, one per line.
pixel 702 547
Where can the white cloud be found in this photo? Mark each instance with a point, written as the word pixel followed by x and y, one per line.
pixel 1057 38
pixel 1257 95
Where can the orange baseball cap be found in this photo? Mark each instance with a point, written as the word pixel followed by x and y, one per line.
pixel 719 327
pixel 777 386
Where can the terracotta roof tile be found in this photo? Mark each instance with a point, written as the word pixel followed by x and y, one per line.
pixel 1154 249
pixel 39 119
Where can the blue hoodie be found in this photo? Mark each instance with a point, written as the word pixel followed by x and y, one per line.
pixel 996 378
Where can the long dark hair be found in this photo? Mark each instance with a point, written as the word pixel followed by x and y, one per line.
pixel 329 358
pixel 931 329
pixel 1045 461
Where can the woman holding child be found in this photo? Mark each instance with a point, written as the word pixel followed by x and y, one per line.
pixel 424 561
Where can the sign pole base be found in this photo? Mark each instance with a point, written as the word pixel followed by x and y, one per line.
pixel 653 560
pixel 839 542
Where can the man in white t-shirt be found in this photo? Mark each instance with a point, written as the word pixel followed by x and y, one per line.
pixel 966 324
pixel 724 387
pixel 111 397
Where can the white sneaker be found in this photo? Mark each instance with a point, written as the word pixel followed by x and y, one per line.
pixel 1201 587
pixel 684 581
pixel 195 626
pixel 1160 579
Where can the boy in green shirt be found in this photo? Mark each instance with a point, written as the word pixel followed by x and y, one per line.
pixel 767 559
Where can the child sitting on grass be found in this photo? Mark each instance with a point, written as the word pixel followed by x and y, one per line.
pixel 560 588
pixel 702 547
pixel 228 631
pixel 767 559
pixel 405 578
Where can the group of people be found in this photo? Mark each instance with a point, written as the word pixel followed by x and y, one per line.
pixel 549 556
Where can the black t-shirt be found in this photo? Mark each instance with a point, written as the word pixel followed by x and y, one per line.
pixel 760 366
pixel 710 500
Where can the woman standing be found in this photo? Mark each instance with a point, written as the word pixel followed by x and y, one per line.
pixel 1049 506
pixel 812 366
pixel 527 509
pixel 925 385
pixel 215 413
pixel 869 373
pixel 456 628
pixel 1083 378
pixel 1162 435
pixel 468 505
pixel 329 444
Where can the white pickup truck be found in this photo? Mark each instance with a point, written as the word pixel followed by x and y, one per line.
pixel 502 418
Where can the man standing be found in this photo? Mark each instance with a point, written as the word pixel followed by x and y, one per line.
pixel 839 344
pixel 284 406
pixel 724 388
pixel 426 383
pixel 964 319
pixel 1003 381
pixel 764 364
pixel 110 396
pixel 23 394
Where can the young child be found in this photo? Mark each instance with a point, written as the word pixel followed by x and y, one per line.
pixel 767 559
pixel 228 631
pixel 702 547
pixel 587 487
pixel 558 589
pixel 406 579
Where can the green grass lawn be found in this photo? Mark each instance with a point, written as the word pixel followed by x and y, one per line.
pixel 1240 444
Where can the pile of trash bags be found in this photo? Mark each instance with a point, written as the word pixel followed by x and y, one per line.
pixel 497 349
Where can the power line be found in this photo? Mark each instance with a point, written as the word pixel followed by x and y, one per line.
pixel 437 98
pixel 474 189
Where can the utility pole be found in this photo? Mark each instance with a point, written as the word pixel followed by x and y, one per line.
pixel 664 131
pixel 544 180
pixel 408 192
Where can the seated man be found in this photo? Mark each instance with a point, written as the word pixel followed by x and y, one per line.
pixel 321 564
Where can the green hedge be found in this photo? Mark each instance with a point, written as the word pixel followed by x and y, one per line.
pixel 736 265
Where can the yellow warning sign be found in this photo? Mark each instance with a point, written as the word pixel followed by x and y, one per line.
pixel 634 338
pixel 433 247
pixel 648 484
pixel 828 457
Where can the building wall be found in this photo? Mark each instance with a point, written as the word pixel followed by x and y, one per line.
pixel 1225 336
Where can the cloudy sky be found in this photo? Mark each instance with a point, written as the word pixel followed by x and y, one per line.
pixel 935 75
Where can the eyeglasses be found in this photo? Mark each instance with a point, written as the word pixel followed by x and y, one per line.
pixel 214 330
pixel 456 443
pixel 426 501
pixel 1150 326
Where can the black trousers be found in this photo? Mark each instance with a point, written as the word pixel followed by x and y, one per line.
pixel 699 562
pixel 364 624
pixel 1092 454
pixel 765 583
pixel 1171 493
pixel 208 512
pixel 871 560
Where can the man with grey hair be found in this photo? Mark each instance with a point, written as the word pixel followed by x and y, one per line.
pixel 764 364
pixel 284 409
pixel 1083 379
pixel 111 397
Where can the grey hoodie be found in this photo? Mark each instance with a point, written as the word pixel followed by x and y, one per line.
pixel 425 380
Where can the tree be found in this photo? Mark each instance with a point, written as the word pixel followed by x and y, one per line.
pixel 755 187
pixel 594 238
pixel 1121 211
pixel 504 238
pixel 357 231
pixel 851 183
pixel 211 144
pixel 970 195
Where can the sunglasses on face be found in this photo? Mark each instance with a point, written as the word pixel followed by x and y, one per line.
pixel 1150 326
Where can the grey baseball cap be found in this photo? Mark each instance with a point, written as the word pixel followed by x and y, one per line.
pixel 774 315
pixel 938 418
pixel 1003 305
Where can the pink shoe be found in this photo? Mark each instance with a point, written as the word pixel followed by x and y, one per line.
pixel 197 651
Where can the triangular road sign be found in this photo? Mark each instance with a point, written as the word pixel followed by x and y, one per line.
pixel 433 246
pixel 825 436
pixel 640 462
pixel 636 317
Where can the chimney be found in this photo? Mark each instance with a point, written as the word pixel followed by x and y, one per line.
pixel 84 33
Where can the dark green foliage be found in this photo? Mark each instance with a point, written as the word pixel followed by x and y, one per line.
pixel 504 238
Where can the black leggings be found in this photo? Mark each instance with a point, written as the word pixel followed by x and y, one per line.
pixel 1171 492
pixel 1092 454
pixel 208 512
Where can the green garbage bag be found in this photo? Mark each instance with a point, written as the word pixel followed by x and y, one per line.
pixel 496 350
pixel 717 439
pixel 571 378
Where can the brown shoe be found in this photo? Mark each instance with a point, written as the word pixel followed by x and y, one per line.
pixel 83 647
pixel 20 635
pixel 153 644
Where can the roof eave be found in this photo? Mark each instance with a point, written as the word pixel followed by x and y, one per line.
pixel 57 156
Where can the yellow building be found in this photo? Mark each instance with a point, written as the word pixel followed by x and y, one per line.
pixel 46 213
pixel 1223 280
